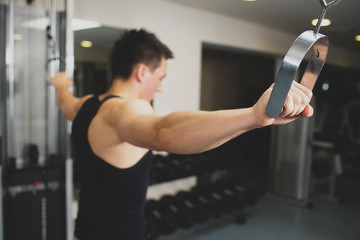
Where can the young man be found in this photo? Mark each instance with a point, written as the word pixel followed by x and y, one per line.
pixel 114 133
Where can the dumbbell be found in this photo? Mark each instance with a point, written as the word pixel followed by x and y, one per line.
pixel 203 163
pixel 157 223
pixel 158 173
pixel 210 204
pixel 183 164
pixel 166 168
pixel 180 215
pixel 198 211
pixel 238 199
pixel 225 204
pixel 179 167
pixel 225 201
pixel 217 159
pixel 251 194
pixel 152 220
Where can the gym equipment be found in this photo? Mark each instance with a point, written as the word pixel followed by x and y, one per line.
pixel 172 212
pixel 224 202
pixel 174 166
pixel 204 163
pixel 199 212
pixel 238 197
pixel 326 167
pixel 35 204
pixel 309 41
pixel 250 194
pixel 171 167
pixel 290 162
pixel 212 206
pixel 179 167
pixel 158 223
pixel 247 194
pixel 158 172
pixel 181 215
pixel 34 136
pixel 211 200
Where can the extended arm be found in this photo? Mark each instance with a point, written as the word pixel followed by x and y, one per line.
pixel 181 132
pixel 197 131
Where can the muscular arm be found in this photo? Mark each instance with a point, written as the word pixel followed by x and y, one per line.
pixel 188 132
pixel 180 132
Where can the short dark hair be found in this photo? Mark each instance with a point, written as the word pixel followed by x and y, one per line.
pixel 134 47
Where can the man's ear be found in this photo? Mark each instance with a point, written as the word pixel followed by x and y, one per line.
pixel 141 72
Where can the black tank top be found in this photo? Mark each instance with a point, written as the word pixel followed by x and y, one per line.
pixel 112 200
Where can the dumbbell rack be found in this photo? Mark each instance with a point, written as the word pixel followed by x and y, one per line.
pixel 210 199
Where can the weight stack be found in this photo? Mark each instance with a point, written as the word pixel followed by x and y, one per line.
pixel 35 205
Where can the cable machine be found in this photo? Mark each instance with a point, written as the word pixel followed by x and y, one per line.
pixel 35 164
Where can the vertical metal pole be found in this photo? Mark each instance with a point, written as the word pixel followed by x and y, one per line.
pixel 52 110
pixel 69 6
pixel 9 106
pixel 69 198
pixel 1 206
pixel 10 55
pixel 3 24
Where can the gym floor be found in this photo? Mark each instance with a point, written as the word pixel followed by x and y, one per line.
pixel 270 219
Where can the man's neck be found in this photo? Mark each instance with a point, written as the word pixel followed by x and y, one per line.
pixel 127 89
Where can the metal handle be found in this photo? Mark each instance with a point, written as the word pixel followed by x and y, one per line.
pixel 325 6
pixel 308 41
pixel 317 45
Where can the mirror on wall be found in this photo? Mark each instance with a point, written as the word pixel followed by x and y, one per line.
pixel 91 52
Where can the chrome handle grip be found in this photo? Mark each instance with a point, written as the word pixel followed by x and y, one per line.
pixel 307 41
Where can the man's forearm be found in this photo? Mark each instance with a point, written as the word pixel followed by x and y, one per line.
pixel 193 132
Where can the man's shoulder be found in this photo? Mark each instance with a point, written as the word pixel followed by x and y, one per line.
pixel 118 111
pixel 118 107
pixel 137 106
